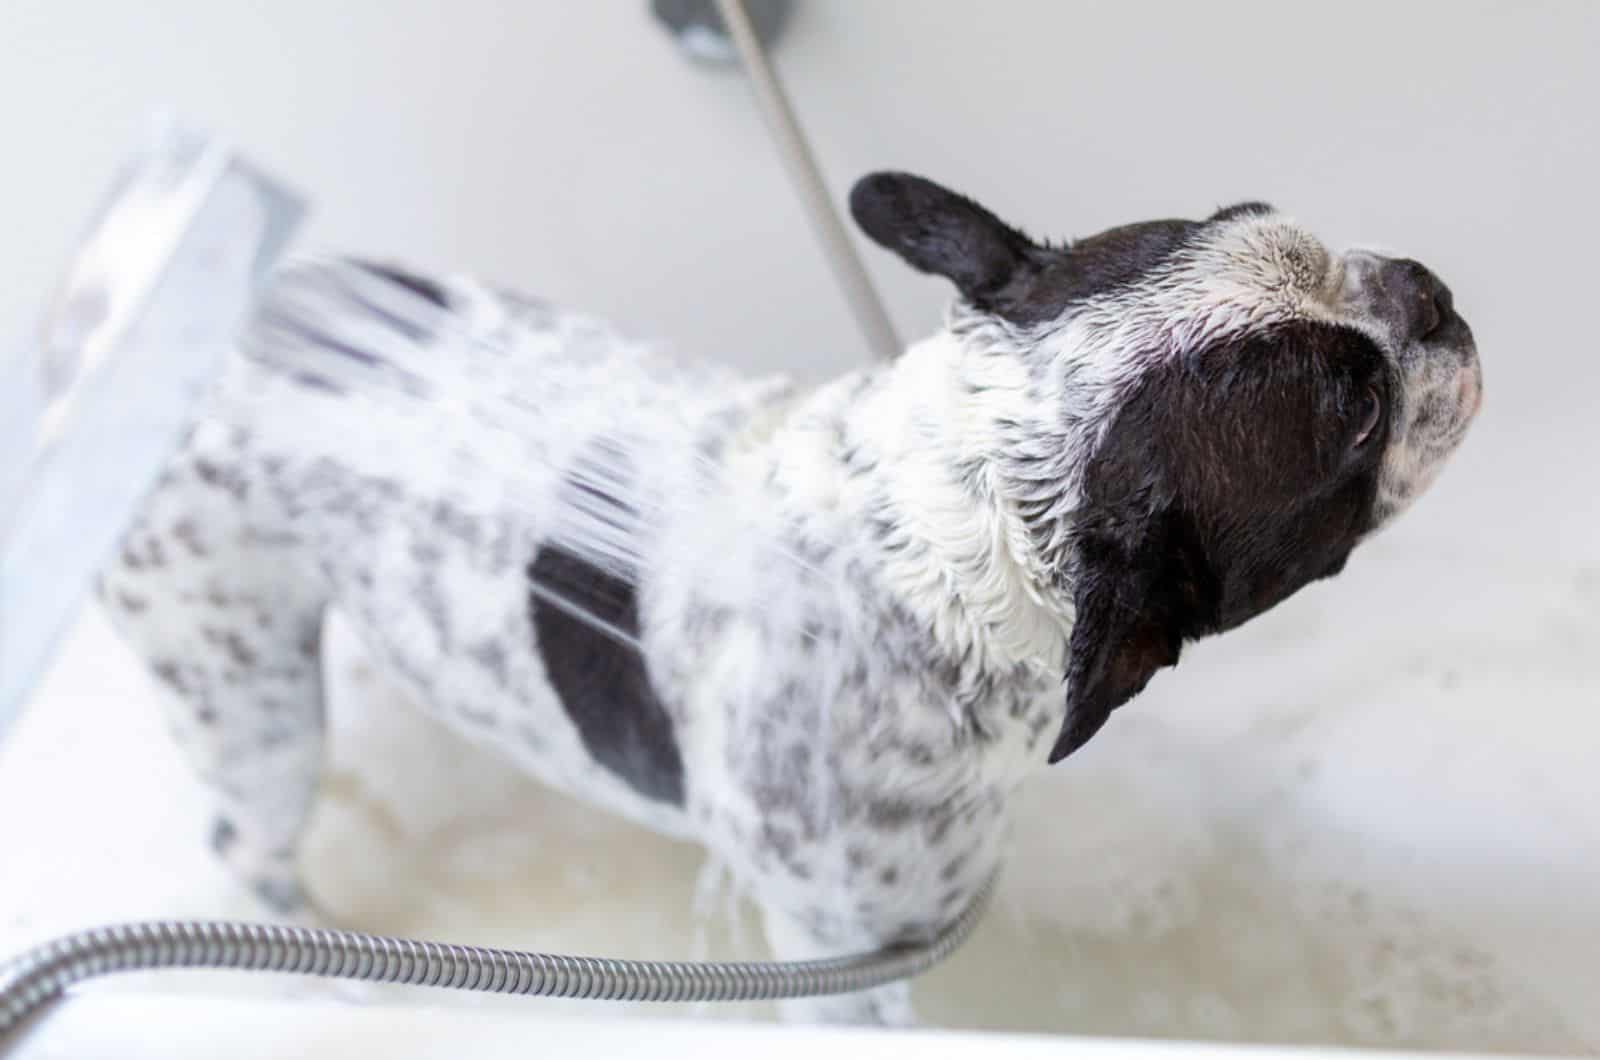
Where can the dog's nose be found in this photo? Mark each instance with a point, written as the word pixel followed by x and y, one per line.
pixel 1422 303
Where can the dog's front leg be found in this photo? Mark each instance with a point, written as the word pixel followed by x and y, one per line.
pixel 802 936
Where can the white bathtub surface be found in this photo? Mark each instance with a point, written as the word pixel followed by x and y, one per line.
pixel 168 1028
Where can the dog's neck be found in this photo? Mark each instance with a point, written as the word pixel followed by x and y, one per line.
pixel 955 552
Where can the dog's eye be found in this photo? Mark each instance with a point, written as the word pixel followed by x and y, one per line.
pixel 1371 413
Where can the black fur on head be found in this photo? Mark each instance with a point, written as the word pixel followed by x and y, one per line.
pixel 1227 482
pixel 1226 477
pixel 997 268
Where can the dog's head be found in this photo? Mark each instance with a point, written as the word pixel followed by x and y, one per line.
pixel 1199 417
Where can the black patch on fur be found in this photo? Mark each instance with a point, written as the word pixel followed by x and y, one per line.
pixel 1241 209
pixel 420 286
pixel 223 835
pixel 1094 266
pixel 603 683
pixel 1227 482
pixel 997 268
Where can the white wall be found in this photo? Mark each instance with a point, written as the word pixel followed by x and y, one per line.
pixel 1423 730
pixel 568 149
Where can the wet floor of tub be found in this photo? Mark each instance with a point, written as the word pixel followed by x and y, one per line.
pixel 1373 817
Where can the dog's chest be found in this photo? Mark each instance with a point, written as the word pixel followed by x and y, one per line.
pixel 830 741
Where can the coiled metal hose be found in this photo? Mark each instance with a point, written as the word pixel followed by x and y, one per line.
pixel 44 973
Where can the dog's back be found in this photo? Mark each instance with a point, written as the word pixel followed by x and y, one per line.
pixel 294 495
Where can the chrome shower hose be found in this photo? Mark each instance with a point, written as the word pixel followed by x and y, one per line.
pixel 45 972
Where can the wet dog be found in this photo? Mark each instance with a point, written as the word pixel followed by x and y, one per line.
pixel 894 596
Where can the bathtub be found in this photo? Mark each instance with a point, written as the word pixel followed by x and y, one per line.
pixel 169 1028
pixel 1368 819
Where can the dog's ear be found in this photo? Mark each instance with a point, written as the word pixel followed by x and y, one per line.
pixel 1127 627
pixel 935 230
pixel 1224 485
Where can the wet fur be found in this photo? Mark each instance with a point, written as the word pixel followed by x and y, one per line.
pixel 931 578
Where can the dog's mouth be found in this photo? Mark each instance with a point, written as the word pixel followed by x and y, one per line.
pixel 1469 396
pixel 1466 388
pixel 1450 357
pixel 1445 394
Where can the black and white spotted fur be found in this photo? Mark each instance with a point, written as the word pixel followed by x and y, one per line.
pixel 894 596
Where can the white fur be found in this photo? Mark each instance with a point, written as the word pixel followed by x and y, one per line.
pixel 878 655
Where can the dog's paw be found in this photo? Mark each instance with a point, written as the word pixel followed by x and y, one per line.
pixel 886 1006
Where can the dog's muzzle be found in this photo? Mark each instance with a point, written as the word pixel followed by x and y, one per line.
pixel 1418 310
pixel 1440 380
